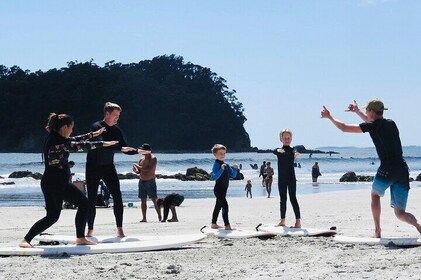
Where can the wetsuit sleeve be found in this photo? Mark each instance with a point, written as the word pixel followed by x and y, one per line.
pixel 216 171
pixel 83 137
pixel 275 152
pixel 82 146
pixel 232 171
pixel 122 142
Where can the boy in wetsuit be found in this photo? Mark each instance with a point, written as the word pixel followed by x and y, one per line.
pixel 169 203
pixel 286 177
pixel 221 172
pixel 393 171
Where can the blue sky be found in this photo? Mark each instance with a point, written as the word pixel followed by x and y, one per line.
pixel 285 59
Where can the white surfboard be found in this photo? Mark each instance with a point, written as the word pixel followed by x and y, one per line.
pixel 393 241
pixel 235 234
pixel 71 239
pixel 164 243
pixel 289 231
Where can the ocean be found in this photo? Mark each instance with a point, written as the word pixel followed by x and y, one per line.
pixel 363 161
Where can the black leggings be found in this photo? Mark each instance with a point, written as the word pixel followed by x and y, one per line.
pixel 108 174
pixel 54 204
pixel 292 189
pixel 221 202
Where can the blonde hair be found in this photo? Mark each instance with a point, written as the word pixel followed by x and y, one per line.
pixel 283 131
pixel 110 107
pixel 218 147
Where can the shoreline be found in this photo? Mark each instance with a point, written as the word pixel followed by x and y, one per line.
pixel 277 258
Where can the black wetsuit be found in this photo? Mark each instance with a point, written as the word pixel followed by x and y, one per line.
pixel 55 183
pixel 173 199
pixel 221 177
pixel 100 165
pixel 287 180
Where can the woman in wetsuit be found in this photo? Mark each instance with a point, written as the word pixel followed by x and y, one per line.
pixel 55 183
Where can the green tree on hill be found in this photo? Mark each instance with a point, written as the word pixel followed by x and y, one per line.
pixel 173 105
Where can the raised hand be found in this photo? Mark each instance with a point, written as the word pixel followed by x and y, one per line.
pixel 98 132
pixel 235 166
pixel 325 113
pixel 353 107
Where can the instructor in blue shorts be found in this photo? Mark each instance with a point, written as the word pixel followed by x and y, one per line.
pixel 393 170
pixel 147 179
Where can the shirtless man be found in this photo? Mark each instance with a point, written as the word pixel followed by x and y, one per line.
pixel 147 183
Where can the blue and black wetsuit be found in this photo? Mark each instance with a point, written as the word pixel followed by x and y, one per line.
pixel 100 165
pixel 221 177
pixel 287 180
pixel 55 183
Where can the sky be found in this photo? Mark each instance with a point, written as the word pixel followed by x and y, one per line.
pixel 285 59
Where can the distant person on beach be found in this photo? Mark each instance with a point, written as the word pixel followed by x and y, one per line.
pixel 315 172
pixel 55 183
pixel 287 181
pixel 169 203
pixel 100 166
pixel 268 172
pixel 248 189
pixel 221 172
pixel 147 180
pixel 262 168
pixel 393 171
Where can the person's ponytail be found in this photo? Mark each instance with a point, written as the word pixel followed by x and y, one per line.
pixel 55 122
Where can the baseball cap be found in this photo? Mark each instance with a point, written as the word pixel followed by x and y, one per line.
pixel 145 147
pixel 375 105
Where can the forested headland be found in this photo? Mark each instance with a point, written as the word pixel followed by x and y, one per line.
pixel 173 105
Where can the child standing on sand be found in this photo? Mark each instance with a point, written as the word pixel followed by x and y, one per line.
pixel 221 172
pixel 248 189
pixel 286 177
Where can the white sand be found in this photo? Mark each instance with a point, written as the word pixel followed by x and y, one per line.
pixel 278 258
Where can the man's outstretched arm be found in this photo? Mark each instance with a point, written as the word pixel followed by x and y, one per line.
pixel 355 128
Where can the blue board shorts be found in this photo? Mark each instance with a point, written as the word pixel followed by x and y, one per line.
pixel 398 192
pixel 147 188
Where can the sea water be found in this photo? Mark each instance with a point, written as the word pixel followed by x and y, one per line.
pixel 363 161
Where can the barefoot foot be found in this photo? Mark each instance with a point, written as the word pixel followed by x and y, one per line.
pixel 84 241
pixel 228 227
pixel 216 226
pixel 25 244
pixel 90 233
pixel 120 232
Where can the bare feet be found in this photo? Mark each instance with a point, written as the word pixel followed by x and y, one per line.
pixel 90 233
pixel 377 234
pixel 281 223
pixel 84 241
pixel 173 220
pixel 25 244
pixel 228 227
pixel 297 223
pixel 120 232
pixel 216 226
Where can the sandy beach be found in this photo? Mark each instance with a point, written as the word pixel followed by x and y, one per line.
pixel 278 258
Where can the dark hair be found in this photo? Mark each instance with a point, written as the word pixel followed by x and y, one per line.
pixel 56 121
pixel 110 107
pixel 72 162
pixel 159 202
